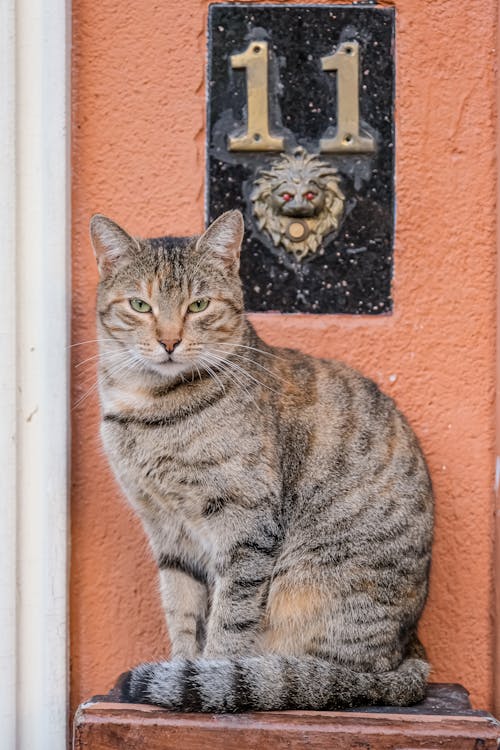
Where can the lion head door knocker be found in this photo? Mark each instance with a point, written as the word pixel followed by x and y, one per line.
pixel 297 201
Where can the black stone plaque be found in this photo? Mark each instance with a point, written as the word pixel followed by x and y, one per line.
pixel 319 237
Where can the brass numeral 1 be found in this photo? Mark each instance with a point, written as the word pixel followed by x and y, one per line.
pixel 348 139
pixel 257 137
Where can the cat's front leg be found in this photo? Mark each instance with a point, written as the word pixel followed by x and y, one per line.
pixel 184 577
pixel 184 596
pixel 239 599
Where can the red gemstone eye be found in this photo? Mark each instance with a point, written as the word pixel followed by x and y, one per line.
pixel 286 197
pixel 310 196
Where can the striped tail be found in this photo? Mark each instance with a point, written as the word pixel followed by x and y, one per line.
pixel 270 683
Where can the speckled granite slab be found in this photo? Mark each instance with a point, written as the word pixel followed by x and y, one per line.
pixel 351 271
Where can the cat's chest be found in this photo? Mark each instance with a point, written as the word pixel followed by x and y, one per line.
pixel 182 467
pixel 157 451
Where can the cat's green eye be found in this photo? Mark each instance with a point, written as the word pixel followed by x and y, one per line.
pixel 198 305
pixel 139 305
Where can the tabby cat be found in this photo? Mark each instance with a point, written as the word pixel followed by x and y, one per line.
pixel 286 499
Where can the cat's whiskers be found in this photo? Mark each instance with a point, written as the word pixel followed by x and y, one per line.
pixel 91 369
pixel 223 370
pixel 236 373
pixel 226 369
pixel 129 366
pixel 242 370
pixel 253 362
pixel 88 392
pixel 225 365
pixel 103 356
pixel 115 369
pixel 205 358
pixel 89 366
pixel 89 341
pixel 253 348
pixel 212 374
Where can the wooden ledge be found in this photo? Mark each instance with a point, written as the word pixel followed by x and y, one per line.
pixel 444 721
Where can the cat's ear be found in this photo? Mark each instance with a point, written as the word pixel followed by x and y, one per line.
pixel 112 244
pixel 224 237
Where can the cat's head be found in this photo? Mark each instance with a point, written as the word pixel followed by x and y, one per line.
pixel 171 305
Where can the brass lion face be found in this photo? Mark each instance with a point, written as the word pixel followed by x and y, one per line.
pixel 297 202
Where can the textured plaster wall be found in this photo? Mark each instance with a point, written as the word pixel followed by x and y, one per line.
pixel 138 155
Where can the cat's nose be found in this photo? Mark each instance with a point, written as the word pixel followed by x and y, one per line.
pixel 170 345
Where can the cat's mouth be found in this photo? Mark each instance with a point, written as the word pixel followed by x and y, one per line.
pixel 168 361
pixel 167 366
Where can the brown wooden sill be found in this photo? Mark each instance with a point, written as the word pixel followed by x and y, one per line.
pixel 444 721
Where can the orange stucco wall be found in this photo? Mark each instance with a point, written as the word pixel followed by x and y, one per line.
pixel 138 155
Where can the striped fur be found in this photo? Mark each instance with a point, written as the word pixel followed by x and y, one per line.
pixel 285 498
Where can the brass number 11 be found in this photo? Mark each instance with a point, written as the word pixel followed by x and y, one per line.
pixel 347 140
pixel 257 137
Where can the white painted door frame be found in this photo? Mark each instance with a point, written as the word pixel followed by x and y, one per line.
pixel 34 328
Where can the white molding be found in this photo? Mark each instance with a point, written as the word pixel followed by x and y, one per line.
pixel 7 377
pixel 34 428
